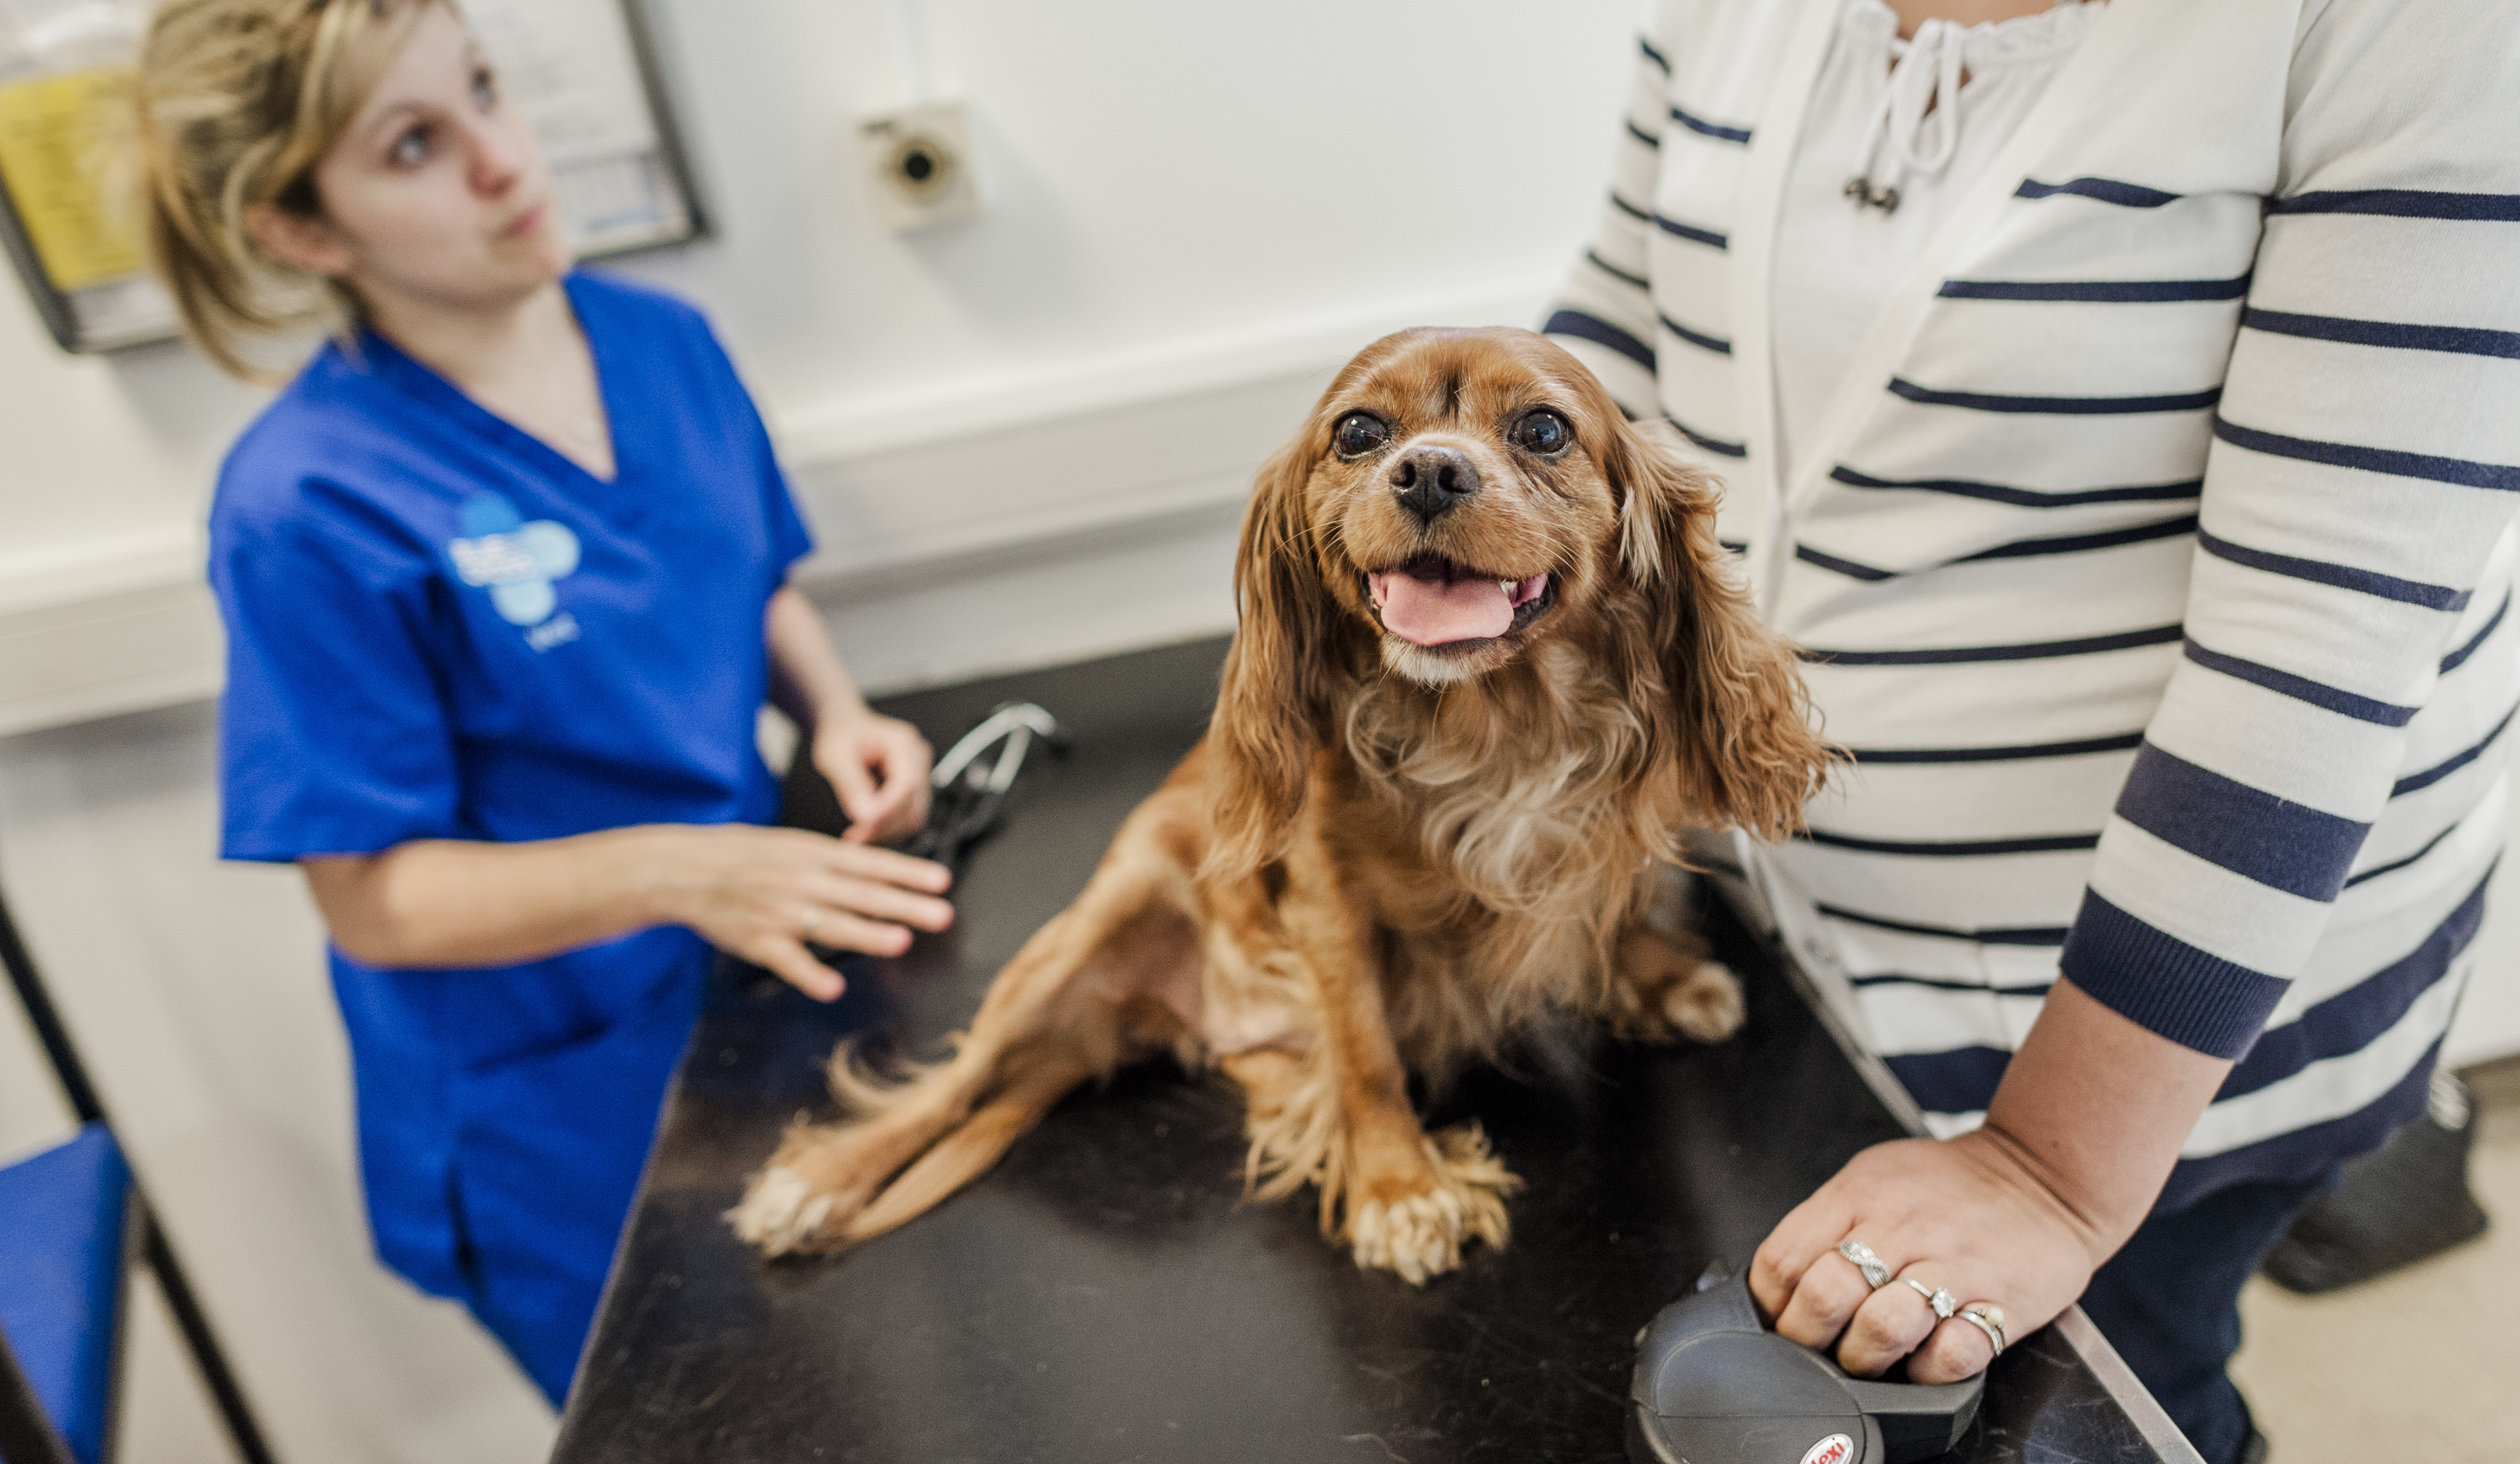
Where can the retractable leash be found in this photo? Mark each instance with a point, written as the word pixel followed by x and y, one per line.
pixel 971 792
pixel 1713 1386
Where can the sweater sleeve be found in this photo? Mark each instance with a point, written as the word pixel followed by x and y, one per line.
pixel 1605 314
pixel 2367 459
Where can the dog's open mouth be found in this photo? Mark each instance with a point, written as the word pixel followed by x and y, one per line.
pixel 1434 602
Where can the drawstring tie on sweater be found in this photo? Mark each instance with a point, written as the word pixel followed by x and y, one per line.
pixel 1917 124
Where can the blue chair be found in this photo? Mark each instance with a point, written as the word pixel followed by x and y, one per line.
pixel 72 1220
pixel 65 1214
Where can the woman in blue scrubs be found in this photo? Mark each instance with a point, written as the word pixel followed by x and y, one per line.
pixel 504 577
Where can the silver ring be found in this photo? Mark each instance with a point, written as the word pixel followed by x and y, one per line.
pixel 1977 1315
pixel 1942 1302
pixel 1876 1271
pixel 806 931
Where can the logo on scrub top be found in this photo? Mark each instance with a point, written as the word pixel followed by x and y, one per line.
pixel 517 562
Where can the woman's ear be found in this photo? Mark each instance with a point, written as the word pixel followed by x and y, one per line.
pixel 301 240
pixel 1720 694
pixel 1274 706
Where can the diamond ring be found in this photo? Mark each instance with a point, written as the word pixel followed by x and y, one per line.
pixel 1942 1302
pixel 1876 1271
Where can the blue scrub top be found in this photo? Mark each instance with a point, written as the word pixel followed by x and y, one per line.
pixel 439 627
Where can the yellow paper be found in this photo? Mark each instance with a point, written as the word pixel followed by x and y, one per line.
pixel 54 134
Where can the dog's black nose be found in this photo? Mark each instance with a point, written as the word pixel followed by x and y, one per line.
pixel 1432 480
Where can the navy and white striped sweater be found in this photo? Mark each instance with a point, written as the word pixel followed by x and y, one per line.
pixel 2156 558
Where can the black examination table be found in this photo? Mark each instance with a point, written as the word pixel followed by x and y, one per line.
pixel 1104 1295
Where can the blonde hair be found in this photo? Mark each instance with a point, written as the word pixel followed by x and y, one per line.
pixel 237 99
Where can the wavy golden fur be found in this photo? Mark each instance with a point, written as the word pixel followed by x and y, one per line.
pixel 1391 849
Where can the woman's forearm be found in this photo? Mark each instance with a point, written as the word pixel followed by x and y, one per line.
pixel 2095 1107
pixel 806 679
pixel 447 903
pixel 756 892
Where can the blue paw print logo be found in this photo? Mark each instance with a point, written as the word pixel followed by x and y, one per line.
pixel 515 561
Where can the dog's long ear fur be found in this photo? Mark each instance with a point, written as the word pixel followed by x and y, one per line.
pixel 1273 707
pixel 1719 693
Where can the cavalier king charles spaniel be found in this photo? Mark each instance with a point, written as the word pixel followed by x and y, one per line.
pixel 1490 660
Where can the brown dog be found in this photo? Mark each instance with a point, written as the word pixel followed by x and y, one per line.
pixel 1491 656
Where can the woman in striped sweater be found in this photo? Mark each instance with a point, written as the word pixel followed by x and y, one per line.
pixel 2121 403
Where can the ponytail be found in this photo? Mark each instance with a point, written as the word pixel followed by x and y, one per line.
pixel 237 99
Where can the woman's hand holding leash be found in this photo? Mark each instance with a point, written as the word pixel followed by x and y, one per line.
pixel 1967 1216
pixel 1944 1251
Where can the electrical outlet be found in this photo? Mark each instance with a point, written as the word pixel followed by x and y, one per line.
pixel 918 166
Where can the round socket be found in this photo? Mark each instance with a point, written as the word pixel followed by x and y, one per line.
pixel 920 166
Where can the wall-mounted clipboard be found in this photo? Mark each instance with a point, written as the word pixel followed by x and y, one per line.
pixel 584 71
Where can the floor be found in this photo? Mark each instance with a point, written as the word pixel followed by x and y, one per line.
pixel 2420 1365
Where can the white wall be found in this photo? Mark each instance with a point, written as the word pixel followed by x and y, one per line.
pixel 1194 213
pixel 1021 440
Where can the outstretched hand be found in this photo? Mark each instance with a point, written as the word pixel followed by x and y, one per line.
pixel 764 895
pixel 1969 1215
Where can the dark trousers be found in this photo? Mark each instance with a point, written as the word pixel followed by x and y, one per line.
pixel 2169 1303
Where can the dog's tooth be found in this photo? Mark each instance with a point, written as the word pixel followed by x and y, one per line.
pixel 1509 586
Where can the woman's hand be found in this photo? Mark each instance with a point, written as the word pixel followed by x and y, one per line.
pixel 762 894
pixel 2081 1137
pixel 1967 1214
pixel 878 765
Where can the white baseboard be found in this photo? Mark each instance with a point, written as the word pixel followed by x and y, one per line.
pixel 961 527
pixel 1154 584
pixel 110 651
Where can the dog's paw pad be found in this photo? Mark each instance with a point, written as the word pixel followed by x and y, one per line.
pixel 781 1212
pixel 1708 1007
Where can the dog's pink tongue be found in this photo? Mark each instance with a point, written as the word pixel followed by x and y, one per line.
pixel 1432 613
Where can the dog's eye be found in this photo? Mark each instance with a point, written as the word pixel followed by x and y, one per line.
pixel 1544 433
pixel 1358 434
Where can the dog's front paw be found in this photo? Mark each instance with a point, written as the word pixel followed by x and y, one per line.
pixel 1706 1005
pixel 1415 1229
pixel 820 1180
pixel 781 1212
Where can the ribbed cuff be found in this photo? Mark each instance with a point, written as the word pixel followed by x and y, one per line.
pixel 2165 984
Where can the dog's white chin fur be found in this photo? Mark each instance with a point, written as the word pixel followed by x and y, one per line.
pixel 1435 669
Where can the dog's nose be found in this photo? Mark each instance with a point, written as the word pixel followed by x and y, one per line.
pixel 1432 481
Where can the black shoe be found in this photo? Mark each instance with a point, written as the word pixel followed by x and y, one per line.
pixel 2404 1202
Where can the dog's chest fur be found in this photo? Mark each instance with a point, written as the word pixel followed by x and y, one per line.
pixel 1507 832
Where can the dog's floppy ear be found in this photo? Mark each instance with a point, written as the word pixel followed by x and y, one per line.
pixel 1717 691
pixel 1273 709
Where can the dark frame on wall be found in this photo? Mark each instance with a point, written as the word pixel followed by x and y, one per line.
pixel 50 303
pixel 659 175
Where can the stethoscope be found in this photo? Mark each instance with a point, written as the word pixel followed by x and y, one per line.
pixel 970 790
